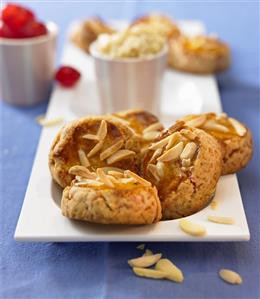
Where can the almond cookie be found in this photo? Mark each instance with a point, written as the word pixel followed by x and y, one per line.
pixel 200 54
pixel 93 142
pixel 235 138
pixel 110 197
pixel 88 32
pixel 185 165
pixel 160 24
pixel 145 124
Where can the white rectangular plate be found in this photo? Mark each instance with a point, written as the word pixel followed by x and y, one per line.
pixel 41 219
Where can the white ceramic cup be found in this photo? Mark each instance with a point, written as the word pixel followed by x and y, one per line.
pixel 129 83
pixel 27 68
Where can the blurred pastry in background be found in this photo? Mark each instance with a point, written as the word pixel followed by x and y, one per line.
pixel 159 23
pixel 199 54
pixel 234 138
pixel 88 32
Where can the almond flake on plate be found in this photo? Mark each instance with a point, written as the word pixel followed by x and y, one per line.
pixel 49 122
pixel 192 228
pixel 221 219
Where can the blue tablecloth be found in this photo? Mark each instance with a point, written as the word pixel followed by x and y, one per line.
pixel 100 270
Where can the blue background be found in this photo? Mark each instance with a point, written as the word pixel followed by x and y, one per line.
pixel 99 270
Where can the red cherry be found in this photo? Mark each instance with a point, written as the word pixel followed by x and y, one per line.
pixel 16 16
pixel 67 76
pixel 33 29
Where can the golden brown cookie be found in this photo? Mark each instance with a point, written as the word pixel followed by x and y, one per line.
pixel 200 54
pixel 159 23
pixel 112 197
pixel 235 138
pixel 88 32
pixel 144 123
pixel 93 142
pixel 185 165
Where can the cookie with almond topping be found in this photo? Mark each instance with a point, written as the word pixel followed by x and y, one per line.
pixel 184 164
pixel 199 54
pixel 112 197
pixel 100 141
pixel 234 137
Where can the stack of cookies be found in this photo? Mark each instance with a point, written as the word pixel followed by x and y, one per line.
pixel 125 168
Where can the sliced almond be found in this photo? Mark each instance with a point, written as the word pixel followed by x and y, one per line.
pixel 214 205
pixel 172 154
pixel 124 121
pixel 151 135
pixel 239 128
pixel 111 168
pixel 221 116
pixel 116 174
pixel 119 155
pixel 112 179
pixel 185 162
pixel 140 247
pixel 153 170
pixel 49 122
pixel 90 137
pixel 174 137
pixel 221 219
pixel 149 273
pixel 153 127
pixel 127 180
pixel 230 276
pixel 102 131
pixel 196 122
pixel 104 178
pixel 189 150
pixel 145 261
pixel 137 178
pixel 173 272
pixel 160 168
pixel 161 143
pixel 156 154
pixel 188 134
pixel 82 171
pixel 96 149
pixel 148 252
pixel 111 150
pixel 192 228
pixel 89 183
pixel 83 158
pixel 213 125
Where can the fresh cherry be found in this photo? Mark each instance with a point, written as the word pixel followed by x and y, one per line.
pixel 67 76
pixel 16 16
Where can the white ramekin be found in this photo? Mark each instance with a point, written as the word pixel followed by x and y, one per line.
pixel 27 67
pixel 129 83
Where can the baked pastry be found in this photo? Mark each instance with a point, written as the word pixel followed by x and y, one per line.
pixel 114 197
pixel 93 142
pixel 88 32
pixel 200 54
pixel 184 164
pixel 144 123
pixel 159 23
pixel 235 138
